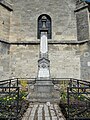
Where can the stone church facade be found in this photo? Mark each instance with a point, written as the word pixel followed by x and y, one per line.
pixel 69 46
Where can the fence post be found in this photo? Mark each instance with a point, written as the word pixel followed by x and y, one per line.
pixel 70 84
pixel 78 86
pixel 68 102
pixel 9 86
pixel 17 102
pixel 17 82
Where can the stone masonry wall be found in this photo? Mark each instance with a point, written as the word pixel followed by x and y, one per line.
pixel 85 62
pixel 83 24
pixel 23 60
pixel 25 15
pixel 64 61
pixel 4 61
pixel 4 23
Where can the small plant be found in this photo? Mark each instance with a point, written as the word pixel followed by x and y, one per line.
pixel 24 85
pixel 63 96
pixel 23 95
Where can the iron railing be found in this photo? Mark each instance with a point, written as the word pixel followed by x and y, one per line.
pixel 9 99
pixel 78 97
pixel 78 100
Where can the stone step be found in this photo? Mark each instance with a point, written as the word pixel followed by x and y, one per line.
pixel 43 88
pixel 44 100
pixel 43 95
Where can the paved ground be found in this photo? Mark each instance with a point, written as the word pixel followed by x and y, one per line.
pixel 43 112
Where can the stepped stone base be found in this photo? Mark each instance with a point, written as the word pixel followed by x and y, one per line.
pixel 44 92
pixel 47 98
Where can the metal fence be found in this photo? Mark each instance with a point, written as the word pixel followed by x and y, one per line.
pixel 78 97
pixel 78 100
pixel 9 99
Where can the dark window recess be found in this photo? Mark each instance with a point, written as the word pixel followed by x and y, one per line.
pixel 48 26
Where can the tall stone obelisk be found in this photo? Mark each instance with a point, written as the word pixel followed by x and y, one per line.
pixel 43 63
pixel 44 88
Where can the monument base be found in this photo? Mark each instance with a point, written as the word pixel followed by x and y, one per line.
pixel 44 92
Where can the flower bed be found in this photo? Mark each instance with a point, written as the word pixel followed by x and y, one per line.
pixel 11 106
pixel 79 104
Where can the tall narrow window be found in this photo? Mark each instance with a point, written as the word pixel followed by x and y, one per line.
pixel 48 25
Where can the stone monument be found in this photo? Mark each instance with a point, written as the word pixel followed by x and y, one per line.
pixel 44 88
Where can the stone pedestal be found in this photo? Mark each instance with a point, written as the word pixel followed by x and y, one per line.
pixel 44 88
pixel 44 91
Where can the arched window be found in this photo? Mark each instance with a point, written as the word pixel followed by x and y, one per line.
pixel 48 24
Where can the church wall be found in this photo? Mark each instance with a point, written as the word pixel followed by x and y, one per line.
pixel 83 29
pixel 64 60
pixel 67 59
pixel 4 23
pixel 4 61
pixel 85 61
pixel 24 60
pixel 25 15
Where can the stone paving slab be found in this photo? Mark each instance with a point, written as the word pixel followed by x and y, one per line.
pixel 54 118
pixel 47 118
pixel 25 118
pixel 46 111
pixel 32 115
pixel 28 112
pixel 42 111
